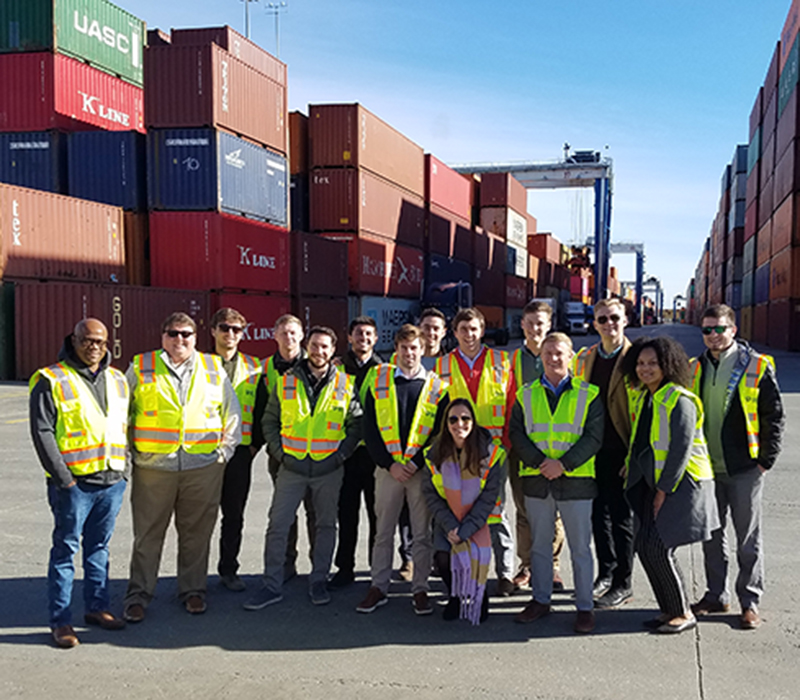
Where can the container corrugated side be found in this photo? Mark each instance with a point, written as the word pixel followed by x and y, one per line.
pixel 261 311
pixel 50 236
pixel 503 190
pixel 36 159
pixel 447 234
pixel 506 223
pixel 324 311
pixel 319 266
pixel 137 248
pixel 488 287
pixel 298 143
pixel 447 189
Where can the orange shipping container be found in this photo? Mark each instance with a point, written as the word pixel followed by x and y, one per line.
pixel 545 247
pixel 764 244
pixel 784 223
pixel 298 143
pixel 784 271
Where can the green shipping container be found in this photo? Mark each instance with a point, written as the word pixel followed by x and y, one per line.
pixel 95 31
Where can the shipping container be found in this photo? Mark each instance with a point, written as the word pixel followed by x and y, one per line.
pixel 513 323
pixel 786 128
pixel 93 31
pixel 760 322
pixel 447 189
pixel 736 215
pixel 441 270
pixel 347 199
pixel 298 202
pixel 319 266
pixel 488 287
pixel 448 235
pixel 788 79
pixel 261 311
pixel 324 311
pixel 348 135
pixel 756 112
pixel 206 169
pixel 768 158
pixel 784 270
pixel 787 174
pixel 506 223
pixel 739 185
pixel 298 143
pixel 207 250
pixel 516 260
pixel 137 248
pixel 36 159
pixel 108 167
pixel 751 220
pixel 748 288
pixel 770 123
pixel 493 314
pixel 761 284
pixel 735 243
pixel 205 86
pixel 516 292
pixel 763 246
pixel 158 37
pixel 745 331
pixel 785 224
pixel 791 26
pixel 43 91
pixel 498 253
pixel 50 236
pixel 503 190
pixel 733 295
pixel 389 314
pixel 764 202
pixel 545 247
pixel 46 312
pixel 749 252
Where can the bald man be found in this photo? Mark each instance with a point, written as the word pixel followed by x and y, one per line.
pixel 78 419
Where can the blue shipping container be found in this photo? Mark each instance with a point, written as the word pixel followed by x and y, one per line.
pixel 35 159
pixel 109 167
pixel 747 288
pixel 762 284
pixel 206 169
pixel 441 270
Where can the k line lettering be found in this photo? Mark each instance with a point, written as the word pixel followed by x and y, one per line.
pixel 102 111
pixel 249 259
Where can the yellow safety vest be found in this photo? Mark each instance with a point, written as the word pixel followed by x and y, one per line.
pixel 245 384
pixel 580 365
pixel 555 433
pixel 316 434
pixel 89 440
pixel 490 406
pixel 380 383
pixel 161 424
pixel 749 387
pixel 271 375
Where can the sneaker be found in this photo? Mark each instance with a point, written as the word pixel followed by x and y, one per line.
pixel 373 600
pixel 319 593
pixel 422 605
pixel 232 582
pixel 262 598
pixel 341 579
pixel 613 598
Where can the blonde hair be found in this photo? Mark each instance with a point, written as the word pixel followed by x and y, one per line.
pixel 557 337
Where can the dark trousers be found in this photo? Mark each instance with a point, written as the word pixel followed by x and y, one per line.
pixel 406 538
pixel 442 561
pixel 290 566
pixel 359 477
pixel 612 524
pixel 235 489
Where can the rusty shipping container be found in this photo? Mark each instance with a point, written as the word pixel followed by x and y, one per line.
pixel 447 234
pixel 298 143
pixel 50 236
pixel 447 189
pixel 324 311
pixel 506 223
pixel 196 86
pixel 319 266
pixel 347 199
pixel 261 311
pixel 503 190
pixel 46 312
pixel 137 248
pixel 348 135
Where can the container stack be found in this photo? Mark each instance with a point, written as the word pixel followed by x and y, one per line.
pixel 734 228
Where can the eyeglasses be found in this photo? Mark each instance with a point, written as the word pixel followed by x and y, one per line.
pixel 227 328
pixel 456 419
pixel 614 318
pixel 172 333
pixel 719 330
pixel 89 342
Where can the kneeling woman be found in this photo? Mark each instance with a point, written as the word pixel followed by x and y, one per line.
pixel 466 472
pixel 669 480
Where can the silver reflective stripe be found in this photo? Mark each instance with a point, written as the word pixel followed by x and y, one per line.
pixel 580 408
pixel 539 428
pixel 751 373
pixel 496 432
pixel 293 443
pixel 324 445
pixel 561 445
pixel 341 386
pixel 203 435
pixel 88 455
pixel 567 427
pixel 121 386
pixel 156 435
pixel 116 451
pixel 63 382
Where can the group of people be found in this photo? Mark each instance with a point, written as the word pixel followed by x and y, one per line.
pixel 633 446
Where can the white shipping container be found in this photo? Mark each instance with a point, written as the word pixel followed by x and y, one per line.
pixel 521 260
pixel 388 313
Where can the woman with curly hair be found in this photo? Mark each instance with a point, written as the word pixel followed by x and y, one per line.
pixel 669 481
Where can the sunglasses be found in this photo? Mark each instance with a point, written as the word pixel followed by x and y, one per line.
pixel 456 419
pixel 89 342
pixel 614 318
pixel 719 330
pixel 172 333
pixel 227 328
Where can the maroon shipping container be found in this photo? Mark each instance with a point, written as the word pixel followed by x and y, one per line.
pixel 137 248
pixel 42 91
pixel 503 190
pixel 348 199
pixel 516 292
pixel 498 256
pixel 319 266
pixel 246 51
pixel 756 113
pixel 447 189
pixel 787 174
pixel 157 37
pixel 46 312
pixel 207 250
pixel 349 135
pixel 298 143
pixel 768 158
pixel 545 247
pixel 784 324
pixel 448 234
pixel 784 274
pixel 488 287
pixel 50 236
pixel 785 224
pixel 787 128
pixel 382 267
pixel 773 72
pixel 751 192
pixel 764 244
pixel 769 123
pixel 760 322
pixel 261 312
pixel 196 86
pixel 734 245
pixel 765 201
pixel 789 32
pixel 323 311
pixel 480 248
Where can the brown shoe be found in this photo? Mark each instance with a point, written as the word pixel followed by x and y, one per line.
pixel 104 620
pixel 523 577
pixel 65 637
pixel 375 598
pixel 750 619
pixel 422 605
pixel 406 571
pixel 584 622
pixel 134 613
pixel 195 605
pixel 533 611
pixel 704 606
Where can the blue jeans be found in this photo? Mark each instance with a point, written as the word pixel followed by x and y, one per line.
pixel 88 512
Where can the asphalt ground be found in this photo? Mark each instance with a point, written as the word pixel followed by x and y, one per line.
pixel 297 650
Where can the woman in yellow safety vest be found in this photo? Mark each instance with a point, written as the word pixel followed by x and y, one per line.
pixel 669 482
pixel 466 469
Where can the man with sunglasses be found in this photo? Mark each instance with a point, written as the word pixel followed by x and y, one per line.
pixel 244 372
pixel 744 422
pixel 612 519
pixel 185 424
pixel 78 421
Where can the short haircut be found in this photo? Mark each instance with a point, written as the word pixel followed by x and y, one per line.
pixel 471 314
pixel 323 330
pixel 721 312
pixel 608 303
pixel 556 337
pixel 178 318
pixel 362 321
pixel 287 318
pixel 537 307
pixel 225 314
pixel 408 332
pixel 433 313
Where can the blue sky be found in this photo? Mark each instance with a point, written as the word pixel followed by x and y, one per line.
pixel 668 87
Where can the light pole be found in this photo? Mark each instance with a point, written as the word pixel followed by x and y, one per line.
pixel 247 17
pixel 275 8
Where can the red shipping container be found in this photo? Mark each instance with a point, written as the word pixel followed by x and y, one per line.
pixel 448 235
pixel 480 248
pixel 349 135
pixel 532 223
pixel 787 128
pixel 756 112
pixel 42 91
pixel 769 123
pixel 785 223
pixel 750 221
pixel 207 250
pixel 319 266
pixel 765 201
pixel 751 192
pixel 46 312
pixel 195 86
pixel 516 292
pixel 488 287
pixel 787 174
pixel 298 143
pixel 790 28
pixel 764 244
pixel 380 266
pixel 50 236
pixel 322 311
pixel 137 248
pixel 578 287
pixel 447 189
pixel 784 324
pixel 503 190
pixel 545 247
pixel 498 256
pixel 348 199
pixel 773 72
pixel 784 272
pixel 261 312
pixel 768 158
pixel 493 315
pixel 506 223
pixel 237 45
